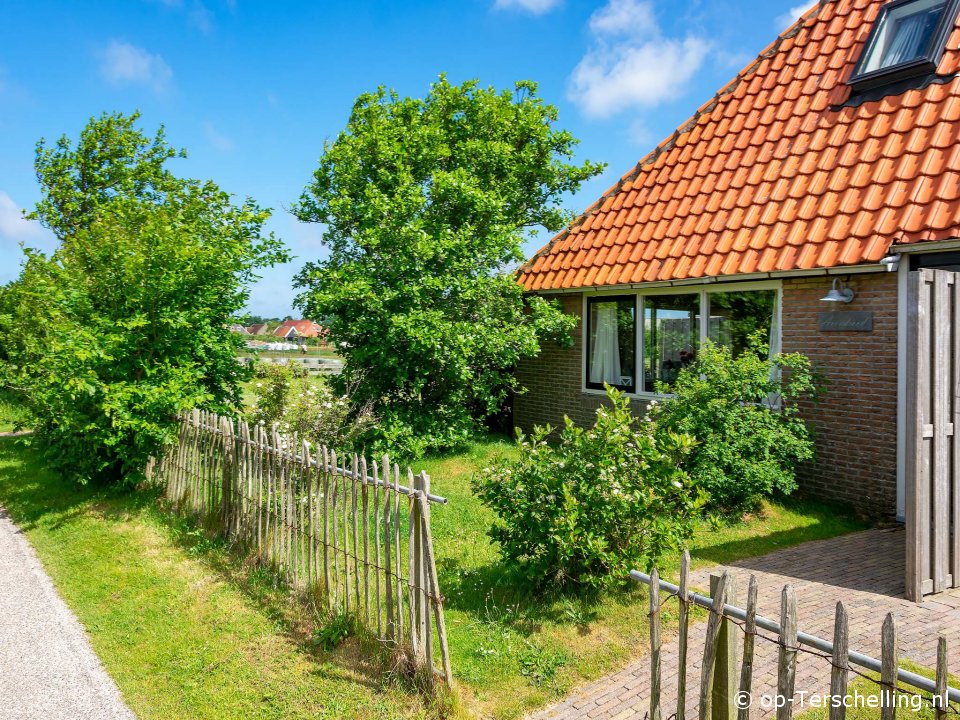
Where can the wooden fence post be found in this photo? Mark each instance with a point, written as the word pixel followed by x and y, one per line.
pixel 941 702
pixel 787 654
pixel 710 647
pixel 746 670
pixel 684 620
pixel 840 673
pixel 654 617
pixel 725 675
pixel 889 662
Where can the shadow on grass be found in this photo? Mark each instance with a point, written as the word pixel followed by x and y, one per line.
pixel 33 495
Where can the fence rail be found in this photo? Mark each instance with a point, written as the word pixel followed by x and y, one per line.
pixel 719 688
pixel 330 523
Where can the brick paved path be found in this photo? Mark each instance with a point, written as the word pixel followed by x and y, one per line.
pixel 864 570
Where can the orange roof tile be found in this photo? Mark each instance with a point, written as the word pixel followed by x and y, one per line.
pixel 773 174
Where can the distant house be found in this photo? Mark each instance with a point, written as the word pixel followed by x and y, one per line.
pixel 240 329
pixel 291 329
pixel 257 329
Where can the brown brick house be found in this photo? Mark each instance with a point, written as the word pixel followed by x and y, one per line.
pixel 830 166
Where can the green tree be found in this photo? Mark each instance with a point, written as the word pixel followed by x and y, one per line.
pixel 125 324
pixel 426 203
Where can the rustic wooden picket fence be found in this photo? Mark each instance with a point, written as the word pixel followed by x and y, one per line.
pixel 325 522
pixel 719 685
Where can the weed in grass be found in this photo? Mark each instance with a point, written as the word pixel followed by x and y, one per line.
pixel 333 632
pixel 540 665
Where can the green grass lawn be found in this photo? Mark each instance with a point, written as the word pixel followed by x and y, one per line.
pixel 185 630
pixel 10 414
pixel 312 352
pixel 513 650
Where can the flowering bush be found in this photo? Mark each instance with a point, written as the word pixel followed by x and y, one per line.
pixel 284 394
pixel 587 509
pixel 745 419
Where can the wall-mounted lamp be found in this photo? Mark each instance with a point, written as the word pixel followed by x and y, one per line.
pixel 838 293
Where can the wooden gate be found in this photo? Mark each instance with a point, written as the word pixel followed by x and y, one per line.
pixel 932 459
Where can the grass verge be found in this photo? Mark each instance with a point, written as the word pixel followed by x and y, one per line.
pixel 185 630
pixel 11 415
pixel 513 650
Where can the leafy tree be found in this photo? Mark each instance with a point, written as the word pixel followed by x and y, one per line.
pixel 125 324
pixel 426 203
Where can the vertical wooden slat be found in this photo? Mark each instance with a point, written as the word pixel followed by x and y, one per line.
pixel 917 501
pixel 940 386
pixel 413 570
pixel 345 521
pixel 955 438
pixel 334 530
pixel 941 702
pixel 311 543
pixel 388 544
pixel 365 510
pixel 325 504
pixel 355 469
pixel 684 622
pixel 377 536
pixel 423 596
pixel 749 635
pixel 710 648
pixel 436 598
pixel 840 672
pixel 787 653
pixel 889 661
pixel 654 616
pixel 398 574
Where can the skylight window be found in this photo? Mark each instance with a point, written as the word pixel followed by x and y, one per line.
pixel 907 39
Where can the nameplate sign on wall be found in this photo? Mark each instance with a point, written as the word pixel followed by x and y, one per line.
pixel 850 321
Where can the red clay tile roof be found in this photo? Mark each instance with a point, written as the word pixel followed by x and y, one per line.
pixel 771 175
pixel 304 328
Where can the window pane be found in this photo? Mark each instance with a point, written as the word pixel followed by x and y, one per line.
pixel 612 342
pixel 734 316
pixel 904 34
pixel 670 336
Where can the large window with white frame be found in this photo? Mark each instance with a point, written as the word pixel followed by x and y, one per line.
pixel 640 342
pixel 611 342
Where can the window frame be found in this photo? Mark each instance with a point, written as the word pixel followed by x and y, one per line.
pixel 925 63
pixel 621 297
pixel 703 291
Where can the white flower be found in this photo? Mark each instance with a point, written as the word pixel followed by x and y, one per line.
pixel 677 484
pixel 259 384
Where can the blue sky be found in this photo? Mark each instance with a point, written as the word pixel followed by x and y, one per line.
pixel 252 89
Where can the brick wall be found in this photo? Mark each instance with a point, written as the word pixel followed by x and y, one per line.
pixel 855 421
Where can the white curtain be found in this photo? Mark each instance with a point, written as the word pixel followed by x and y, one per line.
pixel 906 43
pixel 605 357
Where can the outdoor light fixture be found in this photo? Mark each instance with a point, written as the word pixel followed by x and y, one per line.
pixel 838 293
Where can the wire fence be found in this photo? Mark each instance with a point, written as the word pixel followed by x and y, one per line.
pixel 726 691
pixel 326 522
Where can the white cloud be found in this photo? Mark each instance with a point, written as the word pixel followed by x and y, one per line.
pixel 217 139
pixel 791 16
pixel 124 64
pixel 630 62
pixel 13 226
pixel 537 7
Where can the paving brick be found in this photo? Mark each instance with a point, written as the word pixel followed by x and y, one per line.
pixel 863 570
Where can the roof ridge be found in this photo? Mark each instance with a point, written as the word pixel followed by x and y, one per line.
pixel 668 143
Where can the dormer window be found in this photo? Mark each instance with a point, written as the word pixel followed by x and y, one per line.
pixel 907 39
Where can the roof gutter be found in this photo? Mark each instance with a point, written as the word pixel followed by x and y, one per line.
pixel 743 277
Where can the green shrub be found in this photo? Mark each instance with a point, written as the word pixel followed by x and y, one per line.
pixel 124 325
pixel 309 408
pixel 749 435
pixel 600 501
